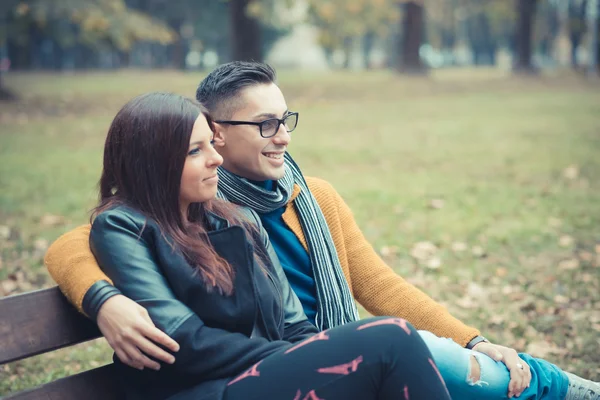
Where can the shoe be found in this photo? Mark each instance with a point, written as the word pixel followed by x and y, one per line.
pixel 582 389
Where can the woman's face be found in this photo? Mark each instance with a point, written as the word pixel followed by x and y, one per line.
pixel 199 178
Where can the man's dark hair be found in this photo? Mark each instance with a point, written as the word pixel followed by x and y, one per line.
pixel 218 91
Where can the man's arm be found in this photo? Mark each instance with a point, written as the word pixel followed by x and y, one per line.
pixel 73 266
pixel 383 292
pixel 206 352
pixel 125 324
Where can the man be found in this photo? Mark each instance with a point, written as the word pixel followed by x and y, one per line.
pixel 326 258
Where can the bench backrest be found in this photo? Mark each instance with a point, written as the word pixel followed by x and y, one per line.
pixel 42 321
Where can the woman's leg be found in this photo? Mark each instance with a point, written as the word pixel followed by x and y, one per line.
pixel 376 358
pixel 489 379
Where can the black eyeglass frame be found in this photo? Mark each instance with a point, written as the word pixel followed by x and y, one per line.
pixel 260 124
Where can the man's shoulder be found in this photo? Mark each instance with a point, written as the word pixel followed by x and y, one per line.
pixel 319 186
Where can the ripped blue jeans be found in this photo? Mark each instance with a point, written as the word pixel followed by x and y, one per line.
pixel 454 362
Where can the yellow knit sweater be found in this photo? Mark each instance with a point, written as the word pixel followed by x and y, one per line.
pixel 374 284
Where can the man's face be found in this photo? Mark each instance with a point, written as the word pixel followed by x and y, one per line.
pixel 245 152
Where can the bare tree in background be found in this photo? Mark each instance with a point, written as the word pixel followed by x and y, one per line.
pixel 245 33
pixel 412 38
pixel 524 35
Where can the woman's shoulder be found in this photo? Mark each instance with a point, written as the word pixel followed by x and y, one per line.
pixel 120 216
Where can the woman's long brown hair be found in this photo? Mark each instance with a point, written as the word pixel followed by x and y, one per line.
pixel 144 155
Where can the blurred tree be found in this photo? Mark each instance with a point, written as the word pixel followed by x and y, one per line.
pixel 341 23
pixel 413 21
pixel 546 29
pixel 6 8
pixel 48 32
pixel 483 25
pixel 56 26
pixel 443 18
pixel 245 32
pixel 524 36
pixel 577 27
pixel 239 30
pixel 272 25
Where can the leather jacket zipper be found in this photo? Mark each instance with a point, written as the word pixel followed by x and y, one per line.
pixel 281 305
pixel 250 257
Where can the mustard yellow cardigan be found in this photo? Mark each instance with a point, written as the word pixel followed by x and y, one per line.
pixel 374 284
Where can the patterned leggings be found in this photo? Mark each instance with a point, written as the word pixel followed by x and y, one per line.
pixel 376 358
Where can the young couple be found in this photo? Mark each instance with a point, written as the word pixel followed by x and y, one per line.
pixel 191 292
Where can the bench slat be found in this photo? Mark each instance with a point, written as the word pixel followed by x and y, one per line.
pixel 38 322
pixel 96 384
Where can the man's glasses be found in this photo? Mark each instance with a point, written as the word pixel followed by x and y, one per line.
pixel 269 127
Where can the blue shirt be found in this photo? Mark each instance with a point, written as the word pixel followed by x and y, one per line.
pixel 293 257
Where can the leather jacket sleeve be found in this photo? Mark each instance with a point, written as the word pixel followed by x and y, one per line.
pixel 125 254
pixel 297 327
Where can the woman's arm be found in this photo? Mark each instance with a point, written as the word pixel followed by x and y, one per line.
pixel 126 257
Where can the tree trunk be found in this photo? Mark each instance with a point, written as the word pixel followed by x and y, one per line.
pixel 179 47
pixel 5 94
pixel 524 36
pixel 412 38
pixel 347 46
pixel 245 33
pixel 367 46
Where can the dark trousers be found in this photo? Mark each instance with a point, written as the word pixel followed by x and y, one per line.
pixel 376 358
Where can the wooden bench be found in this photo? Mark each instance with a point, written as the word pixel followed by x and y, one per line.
pixel 43 321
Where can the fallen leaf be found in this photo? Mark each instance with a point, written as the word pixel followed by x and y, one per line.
pixel 4 232
pixel 40 244
pixel 52 220
pixel 8 286
pixel 423 250
pixel 543 349
pixel 554 222
pixel 501 272
pixel 478 251
pixel 476 291
pixel 436 204
pixel 569 265
pixel 467 302
pixel 586 256
pixel 571 172
pixel 560 299
pixel 459 247
pixel 506 290
pixel 433 263
pixel 587 278
pixel 387 251
pixel 565 241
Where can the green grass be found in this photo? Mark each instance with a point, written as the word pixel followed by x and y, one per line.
pixel 512 167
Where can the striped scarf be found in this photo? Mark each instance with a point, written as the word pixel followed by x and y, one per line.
pixel 335 305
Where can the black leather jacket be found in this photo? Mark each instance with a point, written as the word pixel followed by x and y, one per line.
pixel 219 336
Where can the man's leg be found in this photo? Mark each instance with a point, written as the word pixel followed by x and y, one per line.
pixel 473 375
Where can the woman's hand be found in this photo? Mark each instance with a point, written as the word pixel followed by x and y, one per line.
pixel 131 333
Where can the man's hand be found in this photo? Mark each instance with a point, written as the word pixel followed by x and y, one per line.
pixel 130 332
pixel 520 374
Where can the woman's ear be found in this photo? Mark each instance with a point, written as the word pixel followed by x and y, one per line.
pixel 219 136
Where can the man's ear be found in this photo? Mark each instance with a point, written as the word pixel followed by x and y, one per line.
pixel 219 135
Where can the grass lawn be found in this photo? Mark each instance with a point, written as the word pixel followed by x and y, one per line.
pixel 482 189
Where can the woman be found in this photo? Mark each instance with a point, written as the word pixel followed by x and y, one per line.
pixel 206 274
